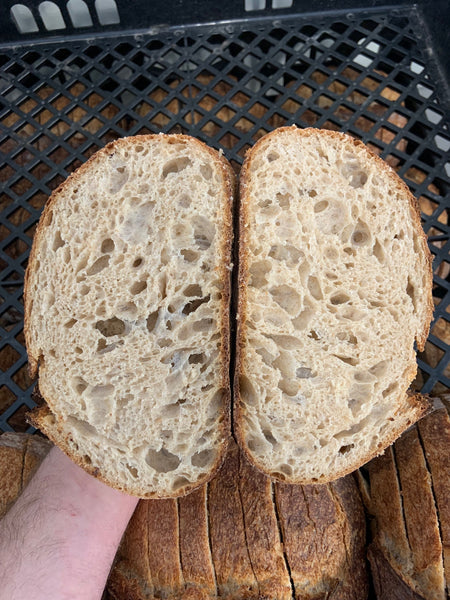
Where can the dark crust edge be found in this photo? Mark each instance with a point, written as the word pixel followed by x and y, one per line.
pixel 418 404
pixel 60 436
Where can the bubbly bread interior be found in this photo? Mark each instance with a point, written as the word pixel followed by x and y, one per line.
pixel 335 288
pixel 127 312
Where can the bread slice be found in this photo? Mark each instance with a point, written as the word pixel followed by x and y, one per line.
pixel 403 494
pixel 334 288
pixel 127 314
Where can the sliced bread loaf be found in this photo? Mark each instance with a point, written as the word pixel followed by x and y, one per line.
pixel 334 288
pixel 406 492
pixel 127 314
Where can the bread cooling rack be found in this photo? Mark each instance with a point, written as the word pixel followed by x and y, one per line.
pixel 75 75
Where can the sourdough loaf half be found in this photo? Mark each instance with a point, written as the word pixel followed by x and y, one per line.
pixel 334 288
pixel 407 492
pixel 127 314
pixel 244 536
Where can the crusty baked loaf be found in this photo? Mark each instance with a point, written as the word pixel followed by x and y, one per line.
pixel 407 493
pixel 20 455
pixel 127 314
pixel 239 536
pixel 334 288
pixel 243 536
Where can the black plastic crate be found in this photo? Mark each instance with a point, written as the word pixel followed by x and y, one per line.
pixel 76 75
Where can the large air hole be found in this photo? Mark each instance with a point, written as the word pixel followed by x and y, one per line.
pixel 171 411
pixel 347 359
pixel 107 246
pixel 247 391
pixel 378 252
pixel 361 234
pixel 118 178
pixel 162 461
pixel 411 291
pixel 339 298
pixel 314 288
pixel 80 385
pixel 204 232
pixel 269 437
pixel 203 325
pixel 189 255
pixel 196 359
pixel 272 156
pixel 288 253
pixel 258 273
pixel 100 392
pixel 206 171
pixel 138 287
pixel 288 387
pixel 100 264
pixel 193 290
pixel 380 369
pixel 69 324
pixel 111 327
pixel 353 171
pixel 283 200
pixel 287 298
pixel 365 377
pixel 256 445
pixel 304 318
pixel 58 242
pixel 345 449
pixel 390 389
pixel 203 458
pixel 175 166
pixel 285 363
pixel 193 305
pixel 321 206
pixel 304 373
pixel 151 320
pixel 287 342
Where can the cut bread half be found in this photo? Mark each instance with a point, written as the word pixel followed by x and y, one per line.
pixel 127 314
pixel 334 288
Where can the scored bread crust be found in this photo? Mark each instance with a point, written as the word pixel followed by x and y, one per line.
pixel 413 406
pixel 54 425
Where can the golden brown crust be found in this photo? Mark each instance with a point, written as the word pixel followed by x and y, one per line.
pixel 164 549
pixel 355 584
pixel 324 550
pixel 417 404
pixel 234 573
pixel 434 433
pixel 420 515
pixel 262 535
pixel 196 560
pixel 57 434
pixel 386 506
pixel 133 551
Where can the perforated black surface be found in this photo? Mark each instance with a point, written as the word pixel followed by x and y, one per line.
pixel 228 85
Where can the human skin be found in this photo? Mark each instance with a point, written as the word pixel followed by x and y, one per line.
pixel 58 541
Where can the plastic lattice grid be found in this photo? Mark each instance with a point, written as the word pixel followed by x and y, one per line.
pixel 228 85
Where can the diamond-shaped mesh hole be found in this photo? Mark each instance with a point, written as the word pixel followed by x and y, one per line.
pixel 8 356
pixel 18 420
